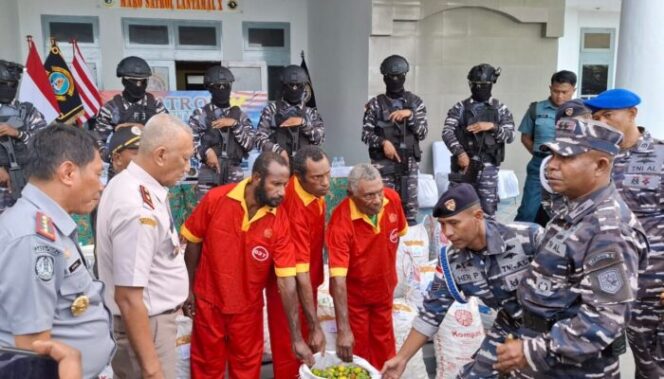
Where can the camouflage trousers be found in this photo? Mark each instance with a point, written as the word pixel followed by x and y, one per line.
pixel 388 170
pixel 6 199
pixel 645 330
pixel 481 366
pixel 487 189
pixel 231 174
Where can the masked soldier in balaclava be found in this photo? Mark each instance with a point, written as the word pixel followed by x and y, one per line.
pixel 476 131
pixel 19 121
pixel 393 126
pixel 288 124
pixel 134 105
pixel 223 134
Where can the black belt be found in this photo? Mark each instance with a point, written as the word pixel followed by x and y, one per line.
pixel 541 324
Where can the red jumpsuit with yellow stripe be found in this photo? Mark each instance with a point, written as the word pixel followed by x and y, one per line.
pixel 238 256
pixel 366 255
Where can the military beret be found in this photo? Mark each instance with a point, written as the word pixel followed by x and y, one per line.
pixel 575 137
pixel 456 199
pixel 618 98
pixel 127 137
pixel 572 108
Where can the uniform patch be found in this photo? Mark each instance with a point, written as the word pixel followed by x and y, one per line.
pixel 393 217
pixel 450 205
pixel 267 233
pixel 394 236
pixel 145 195
pixel 44 249
pixel 74 266
pixel 149 221
pixel 569 112
pixel 557 247
pixel 44 226
pixel 260 253
pixel 469 274
pixel 44 267
pixel 610 281
pixel 512 280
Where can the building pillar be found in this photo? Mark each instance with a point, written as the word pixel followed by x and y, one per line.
pixel 640 57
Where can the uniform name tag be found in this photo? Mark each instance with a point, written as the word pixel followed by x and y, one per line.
pixel 465 275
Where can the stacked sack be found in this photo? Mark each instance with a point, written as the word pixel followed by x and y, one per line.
pixel 402 319
pixel 183 343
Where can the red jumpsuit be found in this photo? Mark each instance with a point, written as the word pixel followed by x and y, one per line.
pixel 238 256
pixel 307 222
pixel 366 255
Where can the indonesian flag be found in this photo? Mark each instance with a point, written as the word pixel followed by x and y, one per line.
pixel 87 90
pixel 35 87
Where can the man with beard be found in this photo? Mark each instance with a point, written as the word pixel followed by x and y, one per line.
pixel 394 124
pixel 638 173
pixel 140 259
pixel 487 259
pixel 538 127
pixel 288 124
pixel 362 239
pixel 577 293
pixel 235 237
pixel 18 122
pixel 476 131
pixel 223 135
pixel 133 105
pixel 305 205
pixel 46 290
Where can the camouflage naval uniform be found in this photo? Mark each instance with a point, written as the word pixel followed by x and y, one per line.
pixel 378 110
pixel 33 121
pixel 493 276
pixel 487 183
pixel 243 135
pixel 267 135
pixel 576 296
pixel 119 111
pixel 638 174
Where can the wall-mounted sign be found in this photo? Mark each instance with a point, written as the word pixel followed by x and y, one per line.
pixel 195 5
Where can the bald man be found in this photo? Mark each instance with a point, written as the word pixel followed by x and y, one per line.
pixel 139 254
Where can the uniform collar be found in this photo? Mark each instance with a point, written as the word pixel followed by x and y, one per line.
pixel 549 104
pixel 61 219
pixel 146 179
pixel 495 244
pixel 12 104
pixel 645 143
pixel 237 193
pixel 579 208
pixel 356 214
pixel 305 196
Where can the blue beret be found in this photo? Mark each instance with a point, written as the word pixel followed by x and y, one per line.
pixel 457 198
pixel 617 98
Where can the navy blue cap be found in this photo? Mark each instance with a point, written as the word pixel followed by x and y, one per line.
pixel 572 108
pixel 618 98
pixel 456 199
pixel 574 137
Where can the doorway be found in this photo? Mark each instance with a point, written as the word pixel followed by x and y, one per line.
pixel 189 74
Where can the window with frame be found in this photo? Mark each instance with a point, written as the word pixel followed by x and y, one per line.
pixel 84 29
pixel 596 61
pixel 176 34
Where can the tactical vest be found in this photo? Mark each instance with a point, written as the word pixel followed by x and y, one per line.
pixel 403 139
pixel 482 145
pixel 136 112
pixel 15 117
pixel 290 139
pixel 222 141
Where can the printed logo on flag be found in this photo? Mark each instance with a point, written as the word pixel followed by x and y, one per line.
pixel 61 81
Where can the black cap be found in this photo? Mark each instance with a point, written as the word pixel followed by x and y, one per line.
pixel 127 137
pixel 456 199
pixel 572 108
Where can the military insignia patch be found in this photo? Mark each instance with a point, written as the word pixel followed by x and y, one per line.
pixel 450 205
pixel 610 281
pixel 44 226
pixel 267 233
pixel 393 217
pixel 44 267
pixel 569 112
pixel 147 199
pixel 149 221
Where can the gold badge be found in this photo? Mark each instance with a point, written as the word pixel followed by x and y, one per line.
pixel 148 221
pixel 569 112
pixel 267 233
pixel 450 205
pixel 80 305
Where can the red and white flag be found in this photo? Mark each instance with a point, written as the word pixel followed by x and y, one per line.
pixel 35 87
pixel 87 90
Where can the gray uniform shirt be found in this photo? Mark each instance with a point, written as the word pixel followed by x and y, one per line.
pixel 42 272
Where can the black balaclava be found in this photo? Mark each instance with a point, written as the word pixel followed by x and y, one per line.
pixel 7 92
pixel 480 92
pixel 394 85
pixel 133 92
pixel 293 94
pixel 221 95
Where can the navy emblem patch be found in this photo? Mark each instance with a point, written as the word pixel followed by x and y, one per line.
pixel 44 267
pixel 610 281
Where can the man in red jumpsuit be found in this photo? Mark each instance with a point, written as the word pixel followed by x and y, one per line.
pixel 236 237
pixel 305 205
pixel 362 238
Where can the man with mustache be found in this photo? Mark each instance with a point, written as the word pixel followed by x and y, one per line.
pixel 235 237
pixel 362 238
